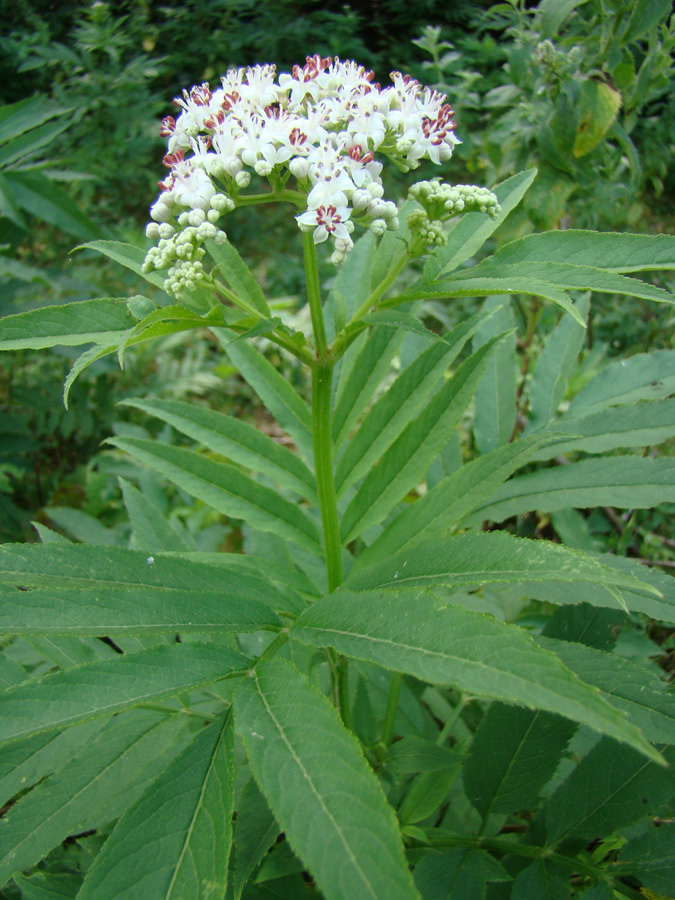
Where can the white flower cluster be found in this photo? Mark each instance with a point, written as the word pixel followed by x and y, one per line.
pixel 322 124
pixel 441 202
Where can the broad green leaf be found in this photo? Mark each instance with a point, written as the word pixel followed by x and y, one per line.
pixel 49 203
pixel 645 376
pixel 139 610
pixel 625 481
pixel 495 395
pixel 103 776
pixel 111 685
pixel 255 832
pixel 174 842
pixel 41 885
pixel 427 792
pixel 554 12
pixel 406 461
pixel 392 412
pixel 473 229
pixel 444 507
pixel 554 366
pixel 86 359
pixel 67 570
pixel 476 558
pixel 372 364
pixel 278 396
pixel 150 530
pixel 17 118
pixel 225 488
pixel 599 104
pixel 235 439
pixel 541 880
pixel 414 754
pixel 230 265
pixel 11 672
pixel 644 15
pixel 444 644
pixel 319 787
pixel 612 252
pixel 353 276
pixel 466 284
pixel 23 147
pixel 639 425
pixel 23 763
pixel 633 688
pixel 391 247
pixel 85 322
pixel 568 276
pixel 460 873
pixel 651 858
pixel 611 787
pixel 128 255
pixel 513 756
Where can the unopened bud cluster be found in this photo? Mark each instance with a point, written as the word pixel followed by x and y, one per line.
pixel 320 124
pixel 441 202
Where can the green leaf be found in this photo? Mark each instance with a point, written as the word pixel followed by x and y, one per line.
pixel 398 319
pixel 625 481
pixel 18 118
pixel 47 202
pixel 226 489
pixel 610 251
pixel 406 461
pixel 473 229
pixel 554 366
pixel 320 788
pixel 276 393
pixel 513 756
pixel 162 856
pixel 353 276
pixel 443 644
pixel 495 395
pixel 382 345
pixel 151 531
pixel 235 439
pixel 443 508
pixel 554 12
pixel 391 247
pixel 86 359
pixel 568 276
pixel 645 14
pixel 636 690
pixel 541 880
pixel 611 787
pixel 128 255
pixel 22 148
pixel 645 376
pixel 256 830
pixel 465 284
pixel 156 584
pixel 460 873
pixel 111 685
pixel 651 858
pixel 103 776
pixel 392 412
pixel 476 558
pixel 414 754
pixel 427 792
pixel 23 763
pixel 599 105
pixel 639 425
pixel 87 321
pixel 232 267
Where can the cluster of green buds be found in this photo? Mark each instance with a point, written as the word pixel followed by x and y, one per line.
pixel 440 202
pixel 180 252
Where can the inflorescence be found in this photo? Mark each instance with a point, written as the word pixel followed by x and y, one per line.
pixel 322 124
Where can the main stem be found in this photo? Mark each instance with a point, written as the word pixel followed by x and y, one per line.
pixel 322 442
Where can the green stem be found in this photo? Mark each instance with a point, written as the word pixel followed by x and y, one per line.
pixel 452 719
pixel 323 463
pixel 314 295
pixel 500 845
pixel 392 708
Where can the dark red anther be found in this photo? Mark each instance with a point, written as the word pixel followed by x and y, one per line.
pixel 172 159
pixel 168 126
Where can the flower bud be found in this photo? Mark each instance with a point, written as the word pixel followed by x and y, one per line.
pixel 243 179
pixel 299 167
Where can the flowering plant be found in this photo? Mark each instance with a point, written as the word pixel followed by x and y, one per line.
pixel 361 649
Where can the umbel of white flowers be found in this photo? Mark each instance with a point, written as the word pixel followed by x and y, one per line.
pixel 322 125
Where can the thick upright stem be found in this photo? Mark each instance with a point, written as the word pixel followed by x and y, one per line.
pixel 314 296
pixel 323 463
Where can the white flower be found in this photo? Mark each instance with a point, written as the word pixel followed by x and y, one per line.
pixel 326 221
